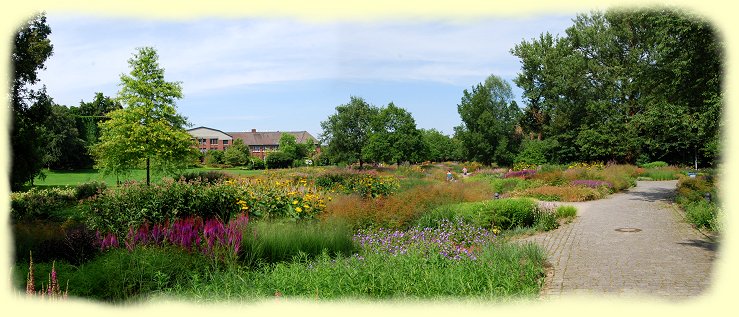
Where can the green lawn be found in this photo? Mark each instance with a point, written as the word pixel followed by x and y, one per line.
pixel 65 178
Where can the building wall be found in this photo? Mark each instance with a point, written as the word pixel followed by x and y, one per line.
pixel 210 139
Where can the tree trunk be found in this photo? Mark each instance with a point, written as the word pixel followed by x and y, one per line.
pixel 147 171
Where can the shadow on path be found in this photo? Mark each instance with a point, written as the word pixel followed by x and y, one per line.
pixel 706 245
pixel 656 194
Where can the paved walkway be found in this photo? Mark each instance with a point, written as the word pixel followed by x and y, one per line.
pixel 630 244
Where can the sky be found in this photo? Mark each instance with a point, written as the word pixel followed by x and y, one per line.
pixel 282 74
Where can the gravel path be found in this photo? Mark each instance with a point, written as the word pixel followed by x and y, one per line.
pixel 630 244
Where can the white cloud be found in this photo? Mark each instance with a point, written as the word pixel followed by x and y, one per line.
pixel 220 54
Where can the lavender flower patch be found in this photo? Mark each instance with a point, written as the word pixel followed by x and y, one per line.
pixel 521 174
pixel 591 183
pixel 452 240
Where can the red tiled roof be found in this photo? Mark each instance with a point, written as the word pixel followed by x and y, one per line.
pixel 269 138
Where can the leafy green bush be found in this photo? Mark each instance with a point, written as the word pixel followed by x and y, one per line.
pixel 272 242
pixel 693 189
pixel 545 220
pixel 278 160
pixel 89 189
pixel 256 163
pixel 133 204
pixel 501 213
pixel 364 183
pixel 701 213
pixel 45 203
pixel 210 177
pixel 213 157
pixel 654 164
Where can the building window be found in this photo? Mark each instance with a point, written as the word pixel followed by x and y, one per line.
pixel 213 141
pixel 201 141
pixel 225 142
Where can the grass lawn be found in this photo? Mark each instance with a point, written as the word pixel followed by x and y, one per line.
pixel 66 178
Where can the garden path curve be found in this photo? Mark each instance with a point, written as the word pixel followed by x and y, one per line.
pixel 630 244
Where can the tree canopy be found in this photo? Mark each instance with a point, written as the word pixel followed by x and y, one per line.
pixel 148 131
pixel 626 86
pixel 30 107
pixel 347 131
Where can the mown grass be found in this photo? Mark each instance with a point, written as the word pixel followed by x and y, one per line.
pixel 71 178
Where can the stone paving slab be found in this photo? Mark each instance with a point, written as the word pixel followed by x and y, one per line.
pixel 664 258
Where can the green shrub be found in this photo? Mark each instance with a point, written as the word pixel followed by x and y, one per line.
pixel 566 211
pixel 69 241
pixel 89 189
pixel 45 203
pixel 210 177
pixel 213 158
pixel 278 160
pixel 654 164
pixel 660 174
pixel 501 213
pixel 256 163
pixel 545 220
pixel 701 213
pixel 272 242
pixel 133 204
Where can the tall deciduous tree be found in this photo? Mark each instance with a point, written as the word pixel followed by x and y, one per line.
pixel 489 119
pixel 347 131
pixel 31 49
pixel 394 137
pixel 148 131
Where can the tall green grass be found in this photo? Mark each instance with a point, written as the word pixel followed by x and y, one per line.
pixel 268 242
pixel 501 213
pixel 501 271
pixel 71 178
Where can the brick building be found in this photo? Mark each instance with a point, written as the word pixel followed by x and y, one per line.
pixel 260 143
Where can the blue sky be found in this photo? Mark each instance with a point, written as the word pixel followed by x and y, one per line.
pixel 280 74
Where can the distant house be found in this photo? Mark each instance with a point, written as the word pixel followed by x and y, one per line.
pixel 210 139
pixel 261 143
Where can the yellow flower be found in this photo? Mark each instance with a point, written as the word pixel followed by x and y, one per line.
pixel 295 202
pixel 298 209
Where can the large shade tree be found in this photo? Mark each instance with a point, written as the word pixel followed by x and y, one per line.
pixel 30 107
pixel 347 131
pixel 395 138
pixel 489 119
pixel 148 131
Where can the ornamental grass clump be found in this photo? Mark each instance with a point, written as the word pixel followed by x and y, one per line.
pixel 591 183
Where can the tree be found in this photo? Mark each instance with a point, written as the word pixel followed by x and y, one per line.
pixel 488 122
pixel 394 137
pixel 148 131
pixel 288 144
pixel 348 130
pixel 62 146
pixel 441 148
pixel 31 49
pixel 237 154
pixel 626 85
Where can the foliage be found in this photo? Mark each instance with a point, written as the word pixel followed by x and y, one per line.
pixel 536 152
pixel 654 164
pixel 31 49
pixel 70 241
pixel 268 242
pixel 213 158
pixel 89 189
pixel 563 193
pixel 691 195
pixel 278 159
pixel 209 177
pixel 256 163
pixel 271 197
pixel 660 173
pixel 235 155
pixel 401 209
pixel 52 290
pixel 441 148
pixel 347 131
pixel 394 138
pixel 44 203
pixel 566 211
pixel 148 131
pixel 525 174
pixel 134 204
pixel 488 122
pixel 499 213
pixel 600 91
pixel 501 271
pixel 366 184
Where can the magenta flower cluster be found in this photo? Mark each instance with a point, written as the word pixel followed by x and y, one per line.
pixel 591 183
pixel 452 240
pixel 191 234
pixel 520 174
